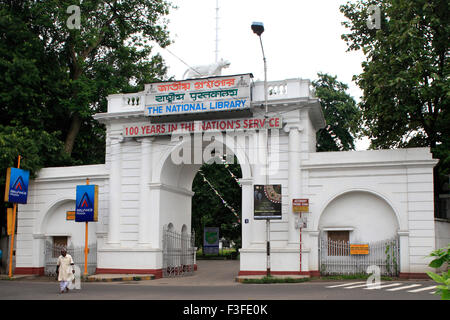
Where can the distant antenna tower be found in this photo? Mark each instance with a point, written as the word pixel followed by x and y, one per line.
pixel 217 31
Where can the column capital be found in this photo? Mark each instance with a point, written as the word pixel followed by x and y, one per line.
pixel 145 139
pixel 293 124
pixel 314 233
pixel 246 182
pixel 116 139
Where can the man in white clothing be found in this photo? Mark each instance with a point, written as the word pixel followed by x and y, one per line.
pixel 65 271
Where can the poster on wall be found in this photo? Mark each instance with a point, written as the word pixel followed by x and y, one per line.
pixel 86 203
pixel 211 240
pixel 267 201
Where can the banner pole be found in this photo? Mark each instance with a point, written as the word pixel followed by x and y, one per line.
pixel 11 246
pixel 86 249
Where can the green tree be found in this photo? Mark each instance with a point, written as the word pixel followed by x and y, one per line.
pixel 341 115
pixel 110 53
pixel 405 78
pixel 54 78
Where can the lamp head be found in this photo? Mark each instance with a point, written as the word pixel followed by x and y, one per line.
pixel 258 28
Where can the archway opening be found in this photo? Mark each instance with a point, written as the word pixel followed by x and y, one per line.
pixel 359 231
pixel 357 212
pixel 216 211
pixel 197 196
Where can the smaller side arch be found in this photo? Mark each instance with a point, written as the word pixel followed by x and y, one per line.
pixel 337 195
pixel 40 221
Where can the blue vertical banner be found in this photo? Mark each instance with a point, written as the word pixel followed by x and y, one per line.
pixel 86 203
pixel 16 186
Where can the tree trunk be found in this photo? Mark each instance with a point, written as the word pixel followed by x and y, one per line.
pixel 75 126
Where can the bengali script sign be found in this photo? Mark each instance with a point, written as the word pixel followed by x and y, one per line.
pixel 155 129
pixel 199 84
pixel 200 95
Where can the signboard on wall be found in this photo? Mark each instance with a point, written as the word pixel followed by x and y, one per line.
pixel 157 129
pixel 300 205
pixel 359 249
pixel 267 201
pixel 86 203
pixel 16 186
pixel 198 95
pixel 211 240
pixel 70 215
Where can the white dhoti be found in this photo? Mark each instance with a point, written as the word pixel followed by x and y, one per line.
pixel 63 285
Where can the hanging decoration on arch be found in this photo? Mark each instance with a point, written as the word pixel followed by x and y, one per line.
pixel 232 174
pixel 221 198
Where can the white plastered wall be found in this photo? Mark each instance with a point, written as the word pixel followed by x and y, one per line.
pixel 51 194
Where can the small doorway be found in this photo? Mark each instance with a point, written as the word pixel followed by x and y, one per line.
pixel 59 242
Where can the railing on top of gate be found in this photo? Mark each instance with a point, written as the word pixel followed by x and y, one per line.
pixel 178 253
pixel 336 258
pixel 53 251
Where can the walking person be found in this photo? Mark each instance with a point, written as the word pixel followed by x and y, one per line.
pixel 65 271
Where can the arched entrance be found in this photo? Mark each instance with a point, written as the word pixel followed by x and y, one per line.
pixel 358 229
pixel 176 196
pixel 58 232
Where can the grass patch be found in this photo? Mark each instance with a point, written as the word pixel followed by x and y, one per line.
pixel 274 280
pixel 224 254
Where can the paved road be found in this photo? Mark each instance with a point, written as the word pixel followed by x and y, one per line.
pixel 215 280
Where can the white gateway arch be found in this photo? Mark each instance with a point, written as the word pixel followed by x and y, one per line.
pixel 157 140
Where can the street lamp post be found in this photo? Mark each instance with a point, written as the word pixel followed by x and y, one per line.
pixel 258 28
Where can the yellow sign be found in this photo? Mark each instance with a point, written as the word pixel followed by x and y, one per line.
pixel 9 221
pixel 70 215
pixel 359 249
pixel 300 205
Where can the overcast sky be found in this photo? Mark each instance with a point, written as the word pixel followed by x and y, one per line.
pixel 301 38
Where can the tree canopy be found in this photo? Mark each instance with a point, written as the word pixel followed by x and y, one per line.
pixel 405 78
pixel 341 115
pixel 54 77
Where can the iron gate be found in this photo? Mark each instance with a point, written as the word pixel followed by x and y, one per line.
pixel 178 253
pixel 336 258
pixel 53 251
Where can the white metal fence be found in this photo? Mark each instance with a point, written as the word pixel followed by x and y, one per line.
pixel 178 253
pixel 336 257
pixel 53 251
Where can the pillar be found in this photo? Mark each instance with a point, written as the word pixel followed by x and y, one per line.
pixel 247 211
pixel 144 197
pixel 294 179
pixel 115 190
pixel 404 251
pixel 260 177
